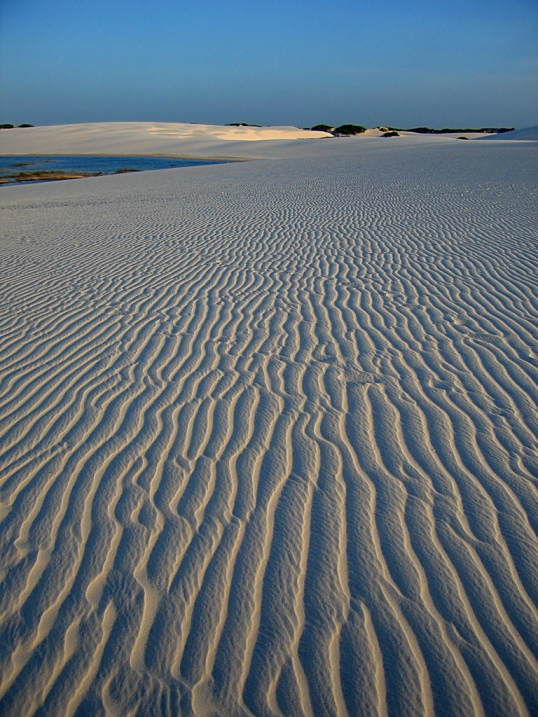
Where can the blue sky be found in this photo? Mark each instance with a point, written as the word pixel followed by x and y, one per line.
pixel 456 63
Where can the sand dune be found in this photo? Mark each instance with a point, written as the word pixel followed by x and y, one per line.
pixel 269 436
pixel 145 138
pixel 526 134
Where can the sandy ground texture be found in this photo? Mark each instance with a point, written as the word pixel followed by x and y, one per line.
pixel 269 435
pixel 147 138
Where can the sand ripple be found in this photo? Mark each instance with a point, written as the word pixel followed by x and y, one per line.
pixel 269 439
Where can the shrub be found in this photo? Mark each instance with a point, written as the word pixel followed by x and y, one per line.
pixel 321 128
pixel 6 126
pixel 392 133
pixel 350 129
pixel 422 130
pixel 25 125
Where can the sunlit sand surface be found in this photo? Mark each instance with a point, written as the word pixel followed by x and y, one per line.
pixel 268 431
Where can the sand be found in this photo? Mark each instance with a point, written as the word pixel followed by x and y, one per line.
pixel 269 434
pixel 147 138
pixel 527 134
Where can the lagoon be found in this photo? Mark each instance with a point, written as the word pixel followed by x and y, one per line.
pixel 26 170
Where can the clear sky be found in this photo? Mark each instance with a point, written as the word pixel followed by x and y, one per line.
pixel 440 63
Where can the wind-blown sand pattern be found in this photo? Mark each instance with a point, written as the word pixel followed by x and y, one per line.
pixel 269 436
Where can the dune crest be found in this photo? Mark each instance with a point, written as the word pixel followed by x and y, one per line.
pixel 143 138
pixel 526 134
pixel 269 437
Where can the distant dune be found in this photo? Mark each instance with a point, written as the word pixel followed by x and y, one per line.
pixel 528 133
pixel 268 429
pixel 145 138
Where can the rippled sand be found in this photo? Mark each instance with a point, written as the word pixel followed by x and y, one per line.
pixel 269 436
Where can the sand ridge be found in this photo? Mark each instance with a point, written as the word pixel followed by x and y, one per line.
pixel 269 436
pixel 143 138
pixel 526 134
pixel 192 140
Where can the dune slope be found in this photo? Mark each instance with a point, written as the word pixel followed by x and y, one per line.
pixel 527 134
pixel 146 138
pixel 269 437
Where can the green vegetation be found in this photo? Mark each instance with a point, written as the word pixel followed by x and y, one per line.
pixel 241 124
pixel 447 130
pixel 345 130
pixel 44 175
pixel 12 126
pixel 349 130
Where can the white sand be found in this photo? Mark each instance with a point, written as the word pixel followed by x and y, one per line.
pixel 527 134
pixel 144 138
pixel 269 434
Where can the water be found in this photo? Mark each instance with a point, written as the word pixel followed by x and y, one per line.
pixel 103 165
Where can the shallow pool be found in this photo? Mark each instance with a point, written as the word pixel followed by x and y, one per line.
pixel 23 170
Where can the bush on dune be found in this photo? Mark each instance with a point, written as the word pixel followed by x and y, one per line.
pixel 345 130
pixel 349 129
